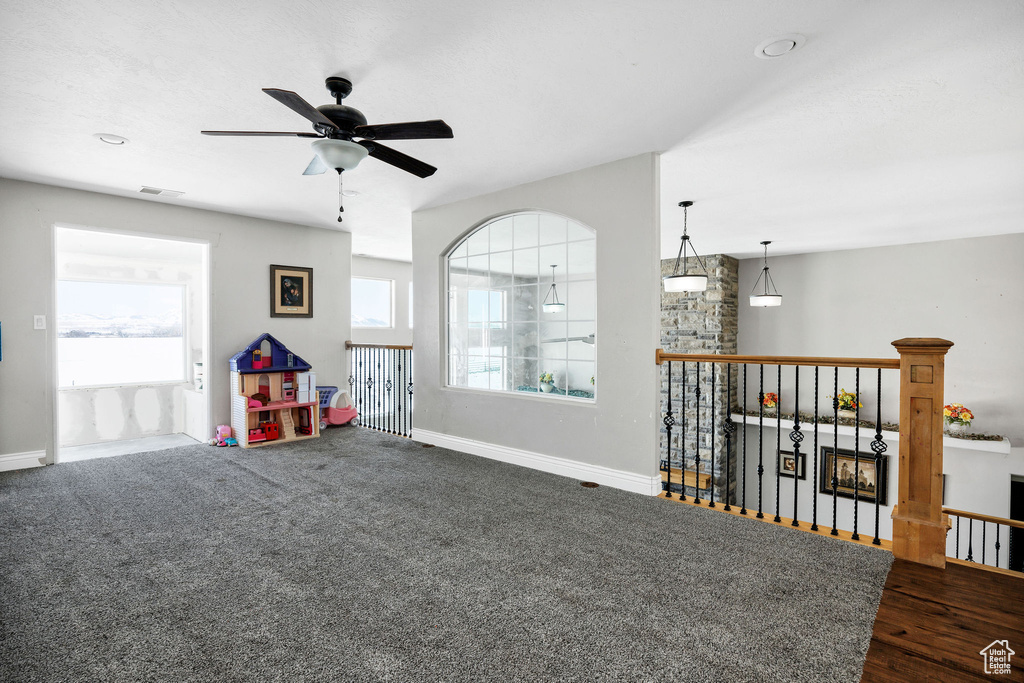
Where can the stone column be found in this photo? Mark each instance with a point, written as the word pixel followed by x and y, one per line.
pixel 701 322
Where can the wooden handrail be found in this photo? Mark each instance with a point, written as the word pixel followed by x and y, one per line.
pixel 808 361
pixel 350 345
pixel 984 518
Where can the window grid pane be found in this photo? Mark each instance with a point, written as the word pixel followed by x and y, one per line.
pixel 499 336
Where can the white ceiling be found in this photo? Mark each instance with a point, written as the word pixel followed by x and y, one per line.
pixel 897 121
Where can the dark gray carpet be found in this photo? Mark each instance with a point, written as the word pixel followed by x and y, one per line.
pixel 364 557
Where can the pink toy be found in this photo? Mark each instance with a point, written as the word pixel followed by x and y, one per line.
pixel 223 434
pixel 336 408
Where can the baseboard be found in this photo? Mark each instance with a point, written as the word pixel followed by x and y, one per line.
pixel 22 461
pixel 627 481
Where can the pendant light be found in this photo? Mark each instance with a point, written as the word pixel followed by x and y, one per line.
pixel 771 296
pixel 686 281
pixel 553 306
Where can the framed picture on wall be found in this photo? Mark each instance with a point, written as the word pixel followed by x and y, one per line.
pixel 790 466
pixel 291 292
pixel 868 482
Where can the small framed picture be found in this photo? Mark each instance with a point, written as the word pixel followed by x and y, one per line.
pixel 790 466
pixel 868 481
pixel 291 292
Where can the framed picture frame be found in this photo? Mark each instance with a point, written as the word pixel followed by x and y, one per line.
pixel 870 481
pixel 790 466
pixel 291 292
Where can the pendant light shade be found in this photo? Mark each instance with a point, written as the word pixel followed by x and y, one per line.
pixel 686 281
pixel 770 296
pixel 551 302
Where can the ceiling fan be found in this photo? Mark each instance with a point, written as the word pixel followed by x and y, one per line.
pixel 337 124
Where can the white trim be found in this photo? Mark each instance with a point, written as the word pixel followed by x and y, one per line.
pixel 22 461
pixel 627 481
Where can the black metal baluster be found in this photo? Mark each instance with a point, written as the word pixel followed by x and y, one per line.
pixel 835 453
pixel 400 414
pixel 997 544
pixel 970 539
pixel 743 470
pixel 856 453
pixel 389 360
pixel 361 391
pixel 696 392
pixel 796 436
pixel 778 442
pixel 814 481
pixel 378 382
pixel 760 446
pixel 958 537
pixel 713 409
pixel 668 421
pixel 984 527
pixel 411 408
pixel 682 439
pixel 729 428
pixel 878 446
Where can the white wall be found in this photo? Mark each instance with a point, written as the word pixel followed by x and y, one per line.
pixel 241 252
pixel 400 272
pixel 617 431
pixel 855 303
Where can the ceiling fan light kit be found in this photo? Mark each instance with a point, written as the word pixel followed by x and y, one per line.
pixel 337 124
pixel 686 281
pixel 770 296
pixel 341 155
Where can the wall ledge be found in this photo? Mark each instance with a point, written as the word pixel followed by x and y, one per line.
pixel 22 461
pixel 948 442
pixel 618 479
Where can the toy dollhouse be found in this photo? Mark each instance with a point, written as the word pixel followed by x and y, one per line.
pixel 273 395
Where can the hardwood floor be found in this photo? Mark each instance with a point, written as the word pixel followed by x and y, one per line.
pixel 932 624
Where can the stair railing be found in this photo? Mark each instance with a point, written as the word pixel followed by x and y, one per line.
pixel 918 523
pixel 380 384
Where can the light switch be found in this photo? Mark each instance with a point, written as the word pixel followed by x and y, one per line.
pixel 39 322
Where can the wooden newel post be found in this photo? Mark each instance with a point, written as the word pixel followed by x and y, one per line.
pixel 918 525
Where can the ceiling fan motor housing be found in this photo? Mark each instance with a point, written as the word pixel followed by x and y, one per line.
pixel 344 117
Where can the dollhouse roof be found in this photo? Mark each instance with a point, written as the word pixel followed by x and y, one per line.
pixel 242 361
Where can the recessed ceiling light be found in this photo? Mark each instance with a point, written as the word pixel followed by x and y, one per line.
pixel 350 193
pixel 111 139
pixel 779 45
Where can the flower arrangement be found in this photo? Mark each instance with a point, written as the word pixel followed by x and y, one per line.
pixel 848 401
pixel 770 400
pixel 547 378
pixel 956 413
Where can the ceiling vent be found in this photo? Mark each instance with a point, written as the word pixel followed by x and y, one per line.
pixel 160 192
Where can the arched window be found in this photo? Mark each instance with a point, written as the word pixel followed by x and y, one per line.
pixel 522 307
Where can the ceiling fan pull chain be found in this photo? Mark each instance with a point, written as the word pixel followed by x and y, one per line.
pixel 341 206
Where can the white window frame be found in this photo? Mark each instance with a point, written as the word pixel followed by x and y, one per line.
pixel 391 304
pixel 185 377
pixel 446 350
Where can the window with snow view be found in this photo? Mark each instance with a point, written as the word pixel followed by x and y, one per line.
pixel 371 302
pixel 119 333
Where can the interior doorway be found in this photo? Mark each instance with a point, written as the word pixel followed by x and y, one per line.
pixel 132 336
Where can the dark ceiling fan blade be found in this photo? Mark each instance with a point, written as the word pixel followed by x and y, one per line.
pixel 299 106
pixel 316 167
pixel 260 133
pixel 414 130
pixel 397 159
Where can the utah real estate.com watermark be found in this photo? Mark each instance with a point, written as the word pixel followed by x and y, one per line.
pixel 997 657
